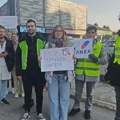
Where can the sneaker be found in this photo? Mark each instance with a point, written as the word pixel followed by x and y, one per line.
pixel 16 95
pixel 73 112
pixel 5 101
pixel 41 117
pixel 87 114
pixel 26 116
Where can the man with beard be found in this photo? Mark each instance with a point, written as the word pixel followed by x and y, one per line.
pixel 6 64
pixel 28 68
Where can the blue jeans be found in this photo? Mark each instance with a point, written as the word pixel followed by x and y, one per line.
pixel 59 93
pixel 3 89
pixel 117 91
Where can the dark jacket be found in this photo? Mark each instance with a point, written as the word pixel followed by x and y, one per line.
pixel 32 59
pixel 114 72
pixel 9 59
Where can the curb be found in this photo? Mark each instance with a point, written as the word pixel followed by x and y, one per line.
pixel 98 103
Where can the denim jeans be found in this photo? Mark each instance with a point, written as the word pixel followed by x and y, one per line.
pixel 3 89
pixel 117 91
pixel 59 93
pixel 89 94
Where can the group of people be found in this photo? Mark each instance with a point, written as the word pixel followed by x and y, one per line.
pixel 26 63
pixel 13 85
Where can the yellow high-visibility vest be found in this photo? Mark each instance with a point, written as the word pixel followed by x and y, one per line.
pixel 87 66
pixel 117 51
pixel 24 49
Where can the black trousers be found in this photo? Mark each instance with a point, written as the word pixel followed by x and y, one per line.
pixel 12 82
pixel 37 80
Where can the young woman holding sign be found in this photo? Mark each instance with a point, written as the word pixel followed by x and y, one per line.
pixel 58 81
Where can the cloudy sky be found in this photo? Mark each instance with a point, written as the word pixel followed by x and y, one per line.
pixel 102 12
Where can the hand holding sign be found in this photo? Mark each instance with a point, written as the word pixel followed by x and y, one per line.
pixel 93 58
pixel 57 59
pixel 39 58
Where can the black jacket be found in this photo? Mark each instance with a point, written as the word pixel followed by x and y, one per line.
pixel 114 72
pixel 32 59
pixel 9 59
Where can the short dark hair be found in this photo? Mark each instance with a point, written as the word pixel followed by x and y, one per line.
pixel 2 27
pixel 31 20
pixel 91 28
pixel 118 32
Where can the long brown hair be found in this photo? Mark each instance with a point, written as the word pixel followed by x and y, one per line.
pixel 64 37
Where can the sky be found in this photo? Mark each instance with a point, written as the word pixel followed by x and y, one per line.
pixel 102 12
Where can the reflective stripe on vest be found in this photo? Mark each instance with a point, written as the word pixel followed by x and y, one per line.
pixel 87 66
pixel 117 50
pixel 24 49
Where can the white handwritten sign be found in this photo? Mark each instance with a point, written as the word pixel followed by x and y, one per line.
pixel 82 47
pixel 9 22
pixel 57 59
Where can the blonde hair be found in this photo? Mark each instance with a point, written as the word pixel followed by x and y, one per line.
pixel 64 37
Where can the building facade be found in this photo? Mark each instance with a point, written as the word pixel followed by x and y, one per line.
pixel 48 13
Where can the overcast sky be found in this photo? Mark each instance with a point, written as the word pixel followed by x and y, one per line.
pixel 102 12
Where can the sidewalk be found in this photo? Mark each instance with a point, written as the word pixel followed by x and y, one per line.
pixel 104 95
pixel 14 111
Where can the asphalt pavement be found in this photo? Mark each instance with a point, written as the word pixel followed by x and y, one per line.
pixel 14 111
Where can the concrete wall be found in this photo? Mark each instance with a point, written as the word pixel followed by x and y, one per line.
pixel 30 9
pixel 52 13
pixel 49 13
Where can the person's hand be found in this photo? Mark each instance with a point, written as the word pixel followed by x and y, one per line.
pixel 19 77
pixel 39 58
pixel 74 58
pixel 3 54
pixel 93 57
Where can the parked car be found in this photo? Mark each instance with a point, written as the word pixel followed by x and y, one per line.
pixel 109 45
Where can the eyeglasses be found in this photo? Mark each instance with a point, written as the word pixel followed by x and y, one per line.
pixel 91 32
pixel 58 30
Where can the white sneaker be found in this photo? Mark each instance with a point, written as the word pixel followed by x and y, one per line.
pixel 26 116
pixel 41 117
pixel 16 95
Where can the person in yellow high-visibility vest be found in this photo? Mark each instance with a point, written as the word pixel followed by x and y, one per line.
pixel 113 74
pixel 88 70
pixel 28 68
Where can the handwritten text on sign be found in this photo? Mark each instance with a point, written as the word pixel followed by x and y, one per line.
pixel 82 47
pixel 57 59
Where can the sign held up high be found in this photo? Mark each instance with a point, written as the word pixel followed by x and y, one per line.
pixel 9 22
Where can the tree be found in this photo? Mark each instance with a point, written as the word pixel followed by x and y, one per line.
pixel 95 24
pixel 104 26
pixel 108 27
